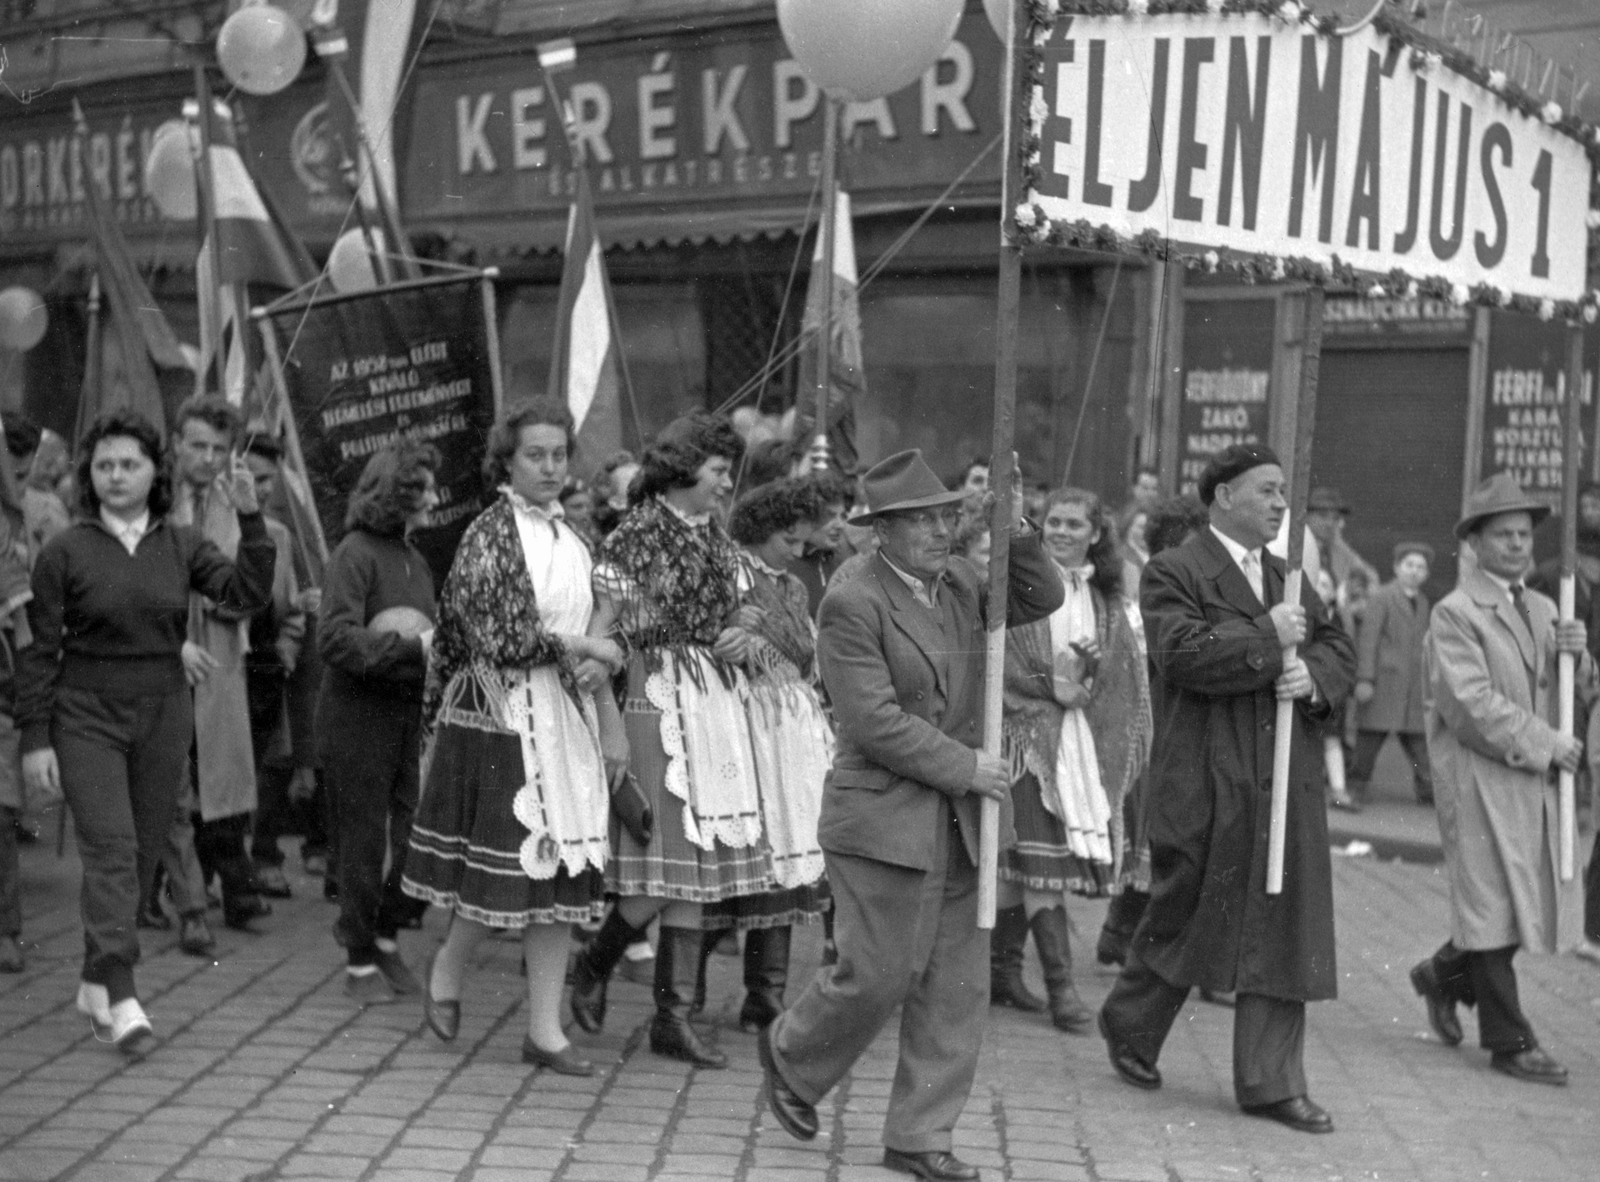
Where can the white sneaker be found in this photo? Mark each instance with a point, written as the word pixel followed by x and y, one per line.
pixel 130 1028
pixel 94 1003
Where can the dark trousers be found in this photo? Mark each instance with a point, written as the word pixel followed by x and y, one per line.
pixel 1268 1032
pixel 122 765
pixel 1486 979
pixel 219 844
pixel 1591 893
pixel 1369 743
pixel 908 939
pixel 10 874
pixel 370 752
pixel 264 685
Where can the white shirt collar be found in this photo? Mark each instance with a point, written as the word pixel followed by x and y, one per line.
pixel 696 520
pixel 1235 551
pixel 129 533
pixel 1503 584
pixel 554 511
pixel 927 594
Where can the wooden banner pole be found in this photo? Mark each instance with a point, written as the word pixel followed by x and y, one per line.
pixel 827 231
pixel 1002 462
pixel 1572 444
pixel 1299 489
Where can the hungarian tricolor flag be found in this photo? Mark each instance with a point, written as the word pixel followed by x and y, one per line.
pixel 847 380
pixel 586 369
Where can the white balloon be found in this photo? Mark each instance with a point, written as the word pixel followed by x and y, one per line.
pixel 995 10
pixel 23 318
pixel 261 49
pixel 350 267
pixel 169 171
pixel 865 49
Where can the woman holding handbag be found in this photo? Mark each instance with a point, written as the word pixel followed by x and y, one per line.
pixel 512 831
pixel 1077 730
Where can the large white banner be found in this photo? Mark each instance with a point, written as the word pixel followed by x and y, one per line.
pixel 1251 134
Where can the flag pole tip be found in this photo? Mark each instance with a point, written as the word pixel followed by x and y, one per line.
pixel 491 272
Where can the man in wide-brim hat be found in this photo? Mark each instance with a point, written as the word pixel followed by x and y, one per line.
pixel 901 652
pixel 1492 737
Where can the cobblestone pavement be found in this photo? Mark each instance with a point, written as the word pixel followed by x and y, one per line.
pixel 265 1071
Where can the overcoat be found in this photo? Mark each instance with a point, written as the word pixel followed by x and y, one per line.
pixel 1491 737
pixel 1214 656
pixel 907 694
pixel 1389 654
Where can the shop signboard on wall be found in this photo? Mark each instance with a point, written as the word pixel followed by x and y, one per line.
pixel 724 115
pixel 1346 319
pixel 409 361
pixel 1525 388
pixel 1227 377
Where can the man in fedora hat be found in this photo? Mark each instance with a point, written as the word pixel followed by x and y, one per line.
pixel 1327 513
pixel 1491 660
pixel 901 652
pixel 1217 625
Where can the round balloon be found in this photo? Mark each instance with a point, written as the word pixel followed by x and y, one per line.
pixel 261 49
pixel 995 10
pixel 22 318
pixel 349 265
pixel 864 49
pixel 169 171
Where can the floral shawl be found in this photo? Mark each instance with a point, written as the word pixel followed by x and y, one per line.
pixel 787 637
pixel 488 617
pixel 673 581
pixel 1118 712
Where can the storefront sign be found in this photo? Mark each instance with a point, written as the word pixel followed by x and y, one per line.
pixel 724 116
pixel 403 363
pixel 45 167
pixel 1366 317
pixel 1227 376
pixel 1526 389
pixel 1251 134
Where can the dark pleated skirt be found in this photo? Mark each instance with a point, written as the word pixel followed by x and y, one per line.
pixel 466 841
pixel 1041 858
pixel 770 909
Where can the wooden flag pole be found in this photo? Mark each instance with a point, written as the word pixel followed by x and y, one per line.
pixel 1566 663
pixel 1002 461
pixel 827 229
pixel 1299 489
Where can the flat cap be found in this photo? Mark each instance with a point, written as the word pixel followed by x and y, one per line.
pixel 1232 461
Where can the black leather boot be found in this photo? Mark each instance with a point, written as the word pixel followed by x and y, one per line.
pixel 1122 917
pixel 1050 937
pixel 1006 944
pixel 708 945
pixel 591 970
pixel 677 959
pixel 766 972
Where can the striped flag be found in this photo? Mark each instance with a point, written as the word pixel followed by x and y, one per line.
pixel 847 382
pixel 586 369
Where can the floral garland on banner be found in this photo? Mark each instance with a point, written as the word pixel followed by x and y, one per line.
pixel 1029 223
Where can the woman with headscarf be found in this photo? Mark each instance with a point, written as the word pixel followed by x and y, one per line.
pixel 512 829
pixel 790 736
pixel 1077 728
pixel 374 630
pixel 669 574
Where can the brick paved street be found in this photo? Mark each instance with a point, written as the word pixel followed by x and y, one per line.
pixel 265 1071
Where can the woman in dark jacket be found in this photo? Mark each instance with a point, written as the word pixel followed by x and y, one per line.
pixel 374 630
pixel 105 713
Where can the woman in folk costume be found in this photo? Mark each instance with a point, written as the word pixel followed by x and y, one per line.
pixel 792 740
pixel 1077 728
pixel 669 574
pixel 512 828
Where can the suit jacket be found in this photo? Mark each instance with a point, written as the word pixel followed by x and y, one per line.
pixel 906 686
pixel 1389 654
pixel 1491 739
pixel 1214 657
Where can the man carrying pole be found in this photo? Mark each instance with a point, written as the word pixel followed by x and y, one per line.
pixel 1217 624
pixel 1498 752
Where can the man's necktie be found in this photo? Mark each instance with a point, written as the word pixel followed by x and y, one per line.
pixel 1251 564
pixel 1520 602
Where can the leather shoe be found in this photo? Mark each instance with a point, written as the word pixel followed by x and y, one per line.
pixel 444 1017
pixel 562 1062
pixel 11 960
pixel 238 913
pixel 1531 1065
pixel 939 1165
pixel 1297 1112
pixel 194 936
pixel 1441 1007
pixel 272 882
pixel 798 1118
pixel 1133 1069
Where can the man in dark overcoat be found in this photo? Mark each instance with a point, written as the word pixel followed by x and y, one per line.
pixel 1217 625
pixel 901 652
pixel 1389 674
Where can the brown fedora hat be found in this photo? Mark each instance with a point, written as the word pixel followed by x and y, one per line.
pixel 1499 493
pixel 1328 499
pixel 903 481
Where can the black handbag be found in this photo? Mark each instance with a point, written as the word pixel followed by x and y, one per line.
pixel 632 807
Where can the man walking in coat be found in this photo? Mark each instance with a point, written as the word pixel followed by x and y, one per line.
pixel 1217 626
pixel 901 651
pixel 1491 661
pixel 1389 674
